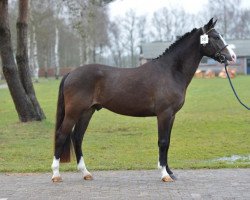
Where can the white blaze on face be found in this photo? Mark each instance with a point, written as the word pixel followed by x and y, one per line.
pixel 233 55
pixel 230 50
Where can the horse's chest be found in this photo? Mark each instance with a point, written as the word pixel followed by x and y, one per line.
pixel 173 98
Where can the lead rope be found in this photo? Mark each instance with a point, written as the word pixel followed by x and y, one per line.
pixel 234 89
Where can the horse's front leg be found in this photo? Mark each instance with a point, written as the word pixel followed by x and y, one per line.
pixel 55 168
pixel 165 123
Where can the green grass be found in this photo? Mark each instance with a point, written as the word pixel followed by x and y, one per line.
pixel 211 125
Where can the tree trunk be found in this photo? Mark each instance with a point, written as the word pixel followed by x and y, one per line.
pixel 22 58
pixel 45 66
pixel 35 59
pixel 81 53
pixel 30 53
pixel 57 54
pixel 23 101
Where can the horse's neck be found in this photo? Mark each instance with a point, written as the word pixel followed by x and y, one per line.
pixel 187 57
pixel 191 62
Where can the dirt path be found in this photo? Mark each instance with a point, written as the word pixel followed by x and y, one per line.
pixel 191 184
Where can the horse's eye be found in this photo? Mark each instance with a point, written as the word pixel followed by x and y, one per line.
pixel 217 37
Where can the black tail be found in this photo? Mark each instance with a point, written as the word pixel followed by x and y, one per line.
pixel 60 113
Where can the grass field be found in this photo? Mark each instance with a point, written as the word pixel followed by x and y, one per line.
pixel 211 125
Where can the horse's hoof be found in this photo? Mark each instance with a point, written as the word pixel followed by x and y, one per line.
pixel 167 179
pixel 57 179
pixel 88 177
pixel 173 177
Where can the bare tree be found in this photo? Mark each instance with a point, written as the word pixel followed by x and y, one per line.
pixel 162 23
pixel 56 51
pixel 90 19
pixel 225 11
pixel 34 54
pixel 41 34
pixel 126 35
pixel 242 29
pixel 130 35
pixel 182 22
pixel 115 43
pixel 170 23
pixel 18 79
pixel 56 47
pixel 141 27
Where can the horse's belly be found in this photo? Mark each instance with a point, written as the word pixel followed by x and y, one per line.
pixel 135 108
pixel 132 113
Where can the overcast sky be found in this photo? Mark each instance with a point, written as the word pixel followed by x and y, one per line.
pixel 119 7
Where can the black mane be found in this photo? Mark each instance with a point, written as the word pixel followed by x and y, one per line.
pixel 176 43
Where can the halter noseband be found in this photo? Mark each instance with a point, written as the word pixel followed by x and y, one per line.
pixel 218 55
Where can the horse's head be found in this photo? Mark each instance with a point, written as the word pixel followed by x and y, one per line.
pixel 214 46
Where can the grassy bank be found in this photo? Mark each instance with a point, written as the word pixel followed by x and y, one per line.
pixel 210 126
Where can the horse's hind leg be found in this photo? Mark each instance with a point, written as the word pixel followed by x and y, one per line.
pixel 62 145
pixel 77 137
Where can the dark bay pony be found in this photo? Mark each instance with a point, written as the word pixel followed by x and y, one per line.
pixel 157 88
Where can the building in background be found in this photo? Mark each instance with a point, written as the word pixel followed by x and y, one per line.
pixel 241 48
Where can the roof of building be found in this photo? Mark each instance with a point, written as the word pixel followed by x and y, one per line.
pixel 154 49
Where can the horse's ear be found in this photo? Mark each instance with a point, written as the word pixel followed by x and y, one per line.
pixel 210 24
pixel 214 23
